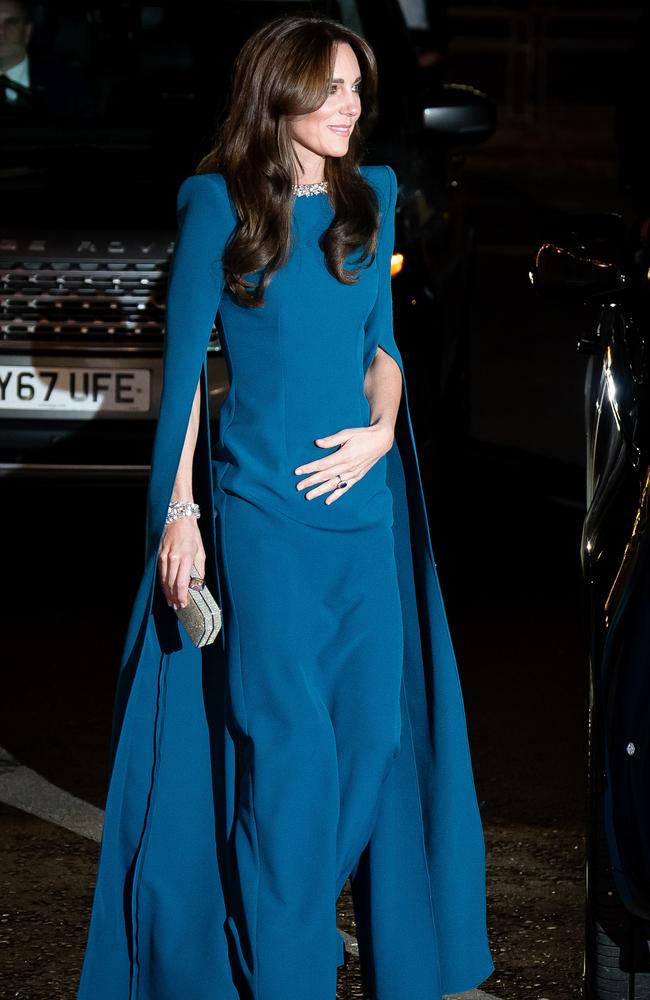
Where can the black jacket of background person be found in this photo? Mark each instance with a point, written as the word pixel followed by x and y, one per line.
pixel 58 91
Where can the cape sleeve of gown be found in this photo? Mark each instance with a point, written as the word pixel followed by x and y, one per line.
pixel 434 718
pixel 193 295
pixel 205 222
pixel 157 815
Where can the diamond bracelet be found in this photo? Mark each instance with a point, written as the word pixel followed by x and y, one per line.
pixel 181 508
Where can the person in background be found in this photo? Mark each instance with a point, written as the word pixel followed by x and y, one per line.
pixel 29 84
pixel 427 24
pixel 15 31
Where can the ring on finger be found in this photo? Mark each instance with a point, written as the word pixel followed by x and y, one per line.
pixel 341 483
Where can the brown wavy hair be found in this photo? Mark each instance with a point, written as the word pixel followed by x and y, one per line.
pixel 284 69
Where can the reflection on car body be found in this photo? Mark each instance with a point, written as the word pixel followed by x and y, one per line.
pixel 606 263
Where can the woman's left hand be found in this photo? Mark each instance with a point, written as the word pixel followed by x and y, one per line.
pixel 360 448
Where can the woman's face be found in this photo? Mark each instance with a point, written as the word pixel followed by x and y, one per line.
pixel 326 131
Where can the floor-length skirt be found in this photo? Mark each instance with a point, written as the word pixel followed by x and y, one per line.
pixel 315 651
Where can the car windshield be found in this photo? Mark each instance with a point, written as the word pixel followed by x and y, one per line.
pixel 106 105
pixel 116 62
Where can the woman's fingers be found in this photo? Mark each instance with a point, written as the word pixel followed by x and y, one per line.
pixel 325 475
pixel 321 484
pixel 163 570
pixel 360 448
pixel 179 584
pixel 337 492
pixel 181 548
pixel 332 484
pixel 349 476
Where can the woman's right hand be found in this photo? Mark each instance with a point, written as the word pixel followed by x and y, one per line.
pixel 180 549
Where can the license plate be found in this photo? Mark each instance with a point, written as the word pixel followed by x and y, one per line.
pixel 27 387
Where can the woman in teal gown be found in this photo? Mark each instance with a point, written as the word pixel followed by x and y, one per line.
pixel 322 737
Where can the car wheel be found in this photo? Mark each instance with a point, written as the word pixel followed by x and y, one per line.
pixel 617 956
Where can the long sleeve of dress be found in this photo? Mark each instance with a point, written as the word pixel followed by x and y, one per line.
pixel 196 277
pixel 194 291
pixel 379 325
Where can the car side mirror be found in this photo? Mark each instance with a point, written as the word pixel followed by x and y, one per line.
pixel 462 116
pixel 584 263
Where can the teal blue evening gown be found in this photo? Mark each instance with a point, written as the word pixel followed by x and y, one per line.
pixel 323 736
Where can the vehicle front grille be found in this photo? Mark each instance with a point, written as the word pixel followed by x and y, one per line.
pixel 69 289
pixel 84 294
pixel 82 300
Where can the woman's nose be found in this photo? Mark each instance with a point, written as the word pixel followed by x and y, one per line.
pixel 350 104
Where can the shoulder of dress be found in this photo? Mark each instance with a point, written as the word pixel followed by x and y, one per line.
pixel 380 175
pixel 383 179
pixel 208 190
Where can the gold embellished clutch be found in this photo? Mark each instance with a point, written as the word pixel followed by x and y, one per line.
pixel 201 616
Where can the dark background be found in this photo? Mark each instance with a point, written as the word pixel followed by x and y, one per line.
pixel 506 536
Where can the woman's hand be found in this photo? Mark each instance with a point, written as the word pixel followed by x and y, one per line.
pixel 180 549
pixel 360 448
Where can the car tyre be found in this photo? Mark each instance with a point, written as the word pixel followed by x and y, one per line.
pixel 617 954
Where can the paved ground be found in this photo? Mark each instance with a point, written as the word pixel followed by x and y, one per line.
pixel 27 800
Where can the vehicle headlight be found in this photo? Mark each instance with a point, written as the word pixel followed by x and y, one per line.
pixel 396 264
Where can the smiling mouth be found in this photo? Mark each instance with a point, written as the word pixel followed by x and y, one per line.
pixel 341 129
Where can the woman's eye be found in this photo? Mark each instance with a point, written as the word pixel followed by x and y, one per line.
pixel 356 88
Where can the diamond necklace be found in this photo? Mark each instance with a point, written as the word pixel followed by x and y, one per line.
pixel 307 190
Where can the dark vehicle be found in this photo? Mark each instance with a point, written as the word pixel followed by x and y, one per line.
pixel 605 263
pixel 87 191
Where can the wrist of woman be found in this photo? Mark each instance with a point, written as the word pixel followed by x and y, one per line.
pixel 385 426
pixel 182 508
